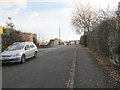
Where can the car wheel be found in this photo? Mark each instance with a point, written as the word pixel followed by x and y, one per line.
pixel 35 55
pixel 23 59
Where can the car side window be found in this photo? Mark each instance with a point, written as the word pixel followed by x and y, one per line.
pixel 31 45
pixel 27 47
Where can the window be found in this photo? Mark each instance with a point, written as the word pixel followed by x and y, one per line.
pixel 27 47
pixel 31 45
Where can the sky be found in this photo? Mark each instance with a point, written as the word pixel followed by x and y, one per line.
pixel 45 17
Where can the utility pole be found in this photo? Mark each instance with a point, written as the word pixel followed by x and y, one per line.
pixel 59 35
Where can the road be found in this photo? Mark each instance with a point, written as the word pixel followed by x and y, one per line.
pixel 51 69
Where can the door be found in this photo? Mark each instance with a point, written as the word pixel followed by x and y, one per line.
pixel 27 51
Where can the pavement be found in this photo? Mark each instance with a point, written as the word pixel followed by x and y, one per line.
pixel 89 74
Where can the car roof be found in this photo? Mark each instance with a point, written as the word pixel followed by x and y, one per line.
pixel 23 42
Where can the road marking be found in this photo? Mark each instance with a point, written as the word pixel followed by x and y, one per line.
pixel 70 83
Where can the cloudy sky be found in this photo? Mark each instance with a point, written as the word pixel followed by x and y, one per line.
pixel 45 17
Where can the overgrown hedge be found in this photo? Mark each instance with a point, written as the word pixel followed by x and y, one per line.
pixel 83 40
pixel 104 39
pixel 97 39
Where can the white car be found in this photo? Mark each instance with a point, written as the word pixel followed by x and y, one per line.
pixel 19 52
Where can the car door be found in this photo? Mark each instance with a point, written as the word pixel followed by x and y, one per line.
pixel 32 49
pixel 27 50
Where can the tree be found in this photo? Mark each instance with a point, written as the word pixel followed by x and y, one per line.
pixel 9 27
pixel 83 18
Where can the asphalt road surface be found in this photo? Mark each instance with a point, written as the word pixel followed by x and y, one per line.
pixel 51 69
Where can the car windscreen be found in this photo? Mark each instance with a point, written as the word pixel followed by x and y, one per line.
pixel 15 47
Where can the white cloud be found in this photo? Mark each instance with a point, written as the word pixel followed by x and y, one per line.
pixel 13 3
pixel 12 7
pixel 66 11
pixel 33 14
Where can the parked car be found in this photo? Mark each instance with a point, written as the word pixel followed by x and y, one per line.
pixel 19 52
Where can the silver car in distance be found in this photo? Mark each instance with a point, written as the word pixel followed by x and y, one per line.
pixel 19 52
